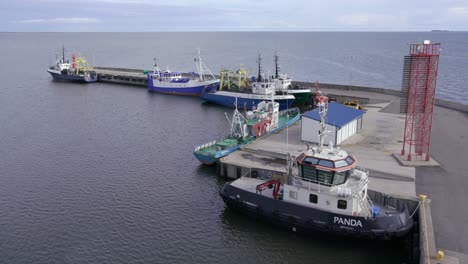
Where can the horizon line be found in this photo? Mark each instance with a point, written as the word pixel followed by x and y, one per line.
pixel 252 31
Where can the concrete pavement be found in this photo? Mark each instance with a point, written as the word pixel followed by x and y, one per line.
pixel 447 186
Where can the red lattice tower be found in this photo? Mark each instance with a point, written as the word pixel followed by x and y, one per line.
pixel 423 65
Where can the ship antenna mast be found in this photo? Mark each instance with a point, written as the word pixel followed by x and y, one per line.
pixel 237 128
pixel 259 61
pixel 63 53
pixel 276 66
pixel 198 61
pixel 201 67
pixel 156 70
pixel 155 65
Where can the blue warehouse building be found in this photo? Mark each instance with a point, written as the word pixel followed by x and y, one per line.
pixel 342 122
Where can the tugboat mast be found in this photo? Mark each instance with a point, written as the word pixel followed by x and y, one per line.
pixel 322 105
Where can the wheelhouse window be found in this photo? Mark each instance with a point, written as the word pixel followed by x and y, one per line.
pixel 341 163
pixel 311 160
pixel 313 198
pixel 324 177
pixel 309 173
pixel 340 177
pixel 349 160
pixel 342 204
pixel 326 163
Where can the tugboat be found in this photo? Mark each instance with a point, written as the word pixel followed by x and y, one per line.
pixel 283 85
pixel 77 71
pixel 324 190
pixel 260 89
pixel 175 83
pixel 263 120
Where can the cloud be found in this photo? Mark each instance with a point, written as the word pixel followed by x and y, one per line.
pixel 462 11
pixel 256 15
pixel 354 19
pixel 60 20
pixel 373 20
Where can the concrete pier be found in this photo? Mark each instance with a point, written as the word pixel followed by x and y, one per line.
pixel 132 77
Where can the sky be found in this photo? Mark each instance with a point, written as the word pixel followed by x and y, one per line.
pixel 232 15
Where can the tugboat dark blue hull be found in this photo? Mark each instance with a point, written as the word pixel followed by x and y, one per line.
pixel 303 219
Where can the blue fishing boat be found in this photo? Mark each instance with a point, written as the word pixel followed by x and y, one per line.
pixel 248 95
pixel 182 84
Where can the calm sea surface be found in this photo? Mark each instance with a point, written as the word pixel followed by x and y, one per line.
pixel 103 173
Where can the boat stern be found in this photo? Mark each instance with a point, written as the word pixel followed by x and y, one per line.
pixel 205 159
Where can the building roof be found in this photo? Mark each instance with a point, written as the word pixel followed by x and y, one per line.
pixel 338 115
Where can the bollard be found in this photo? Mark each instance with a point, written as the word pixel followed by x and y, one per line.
pixel 440 255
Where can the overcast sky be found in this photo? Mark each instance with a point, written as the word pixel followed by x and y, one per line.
pixel 233 15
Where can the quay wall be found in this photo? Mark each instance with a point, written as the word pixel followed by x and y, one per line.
pixel 344 87
pixel 427 245
pixel 439 102
pixel 122 80
pixel 132 77
pixel 118 69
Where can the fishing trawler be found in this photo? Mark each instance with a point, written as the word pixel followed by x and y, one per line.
pixel 254 92
pixel 77 71
pixel 283 85
pixel 324 190
pixel 264 119
pixel 177 83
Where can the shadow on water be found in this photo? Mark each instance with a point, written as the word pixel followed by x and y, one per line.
pixel 208 105
pixel 210 173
